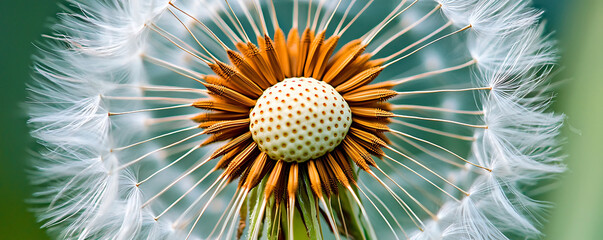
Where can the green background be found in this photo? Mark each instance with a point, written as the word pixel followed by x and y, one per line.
pixel 578 199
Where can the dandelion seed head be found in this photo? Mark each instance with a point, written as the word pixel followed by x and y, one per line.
pixel 257 118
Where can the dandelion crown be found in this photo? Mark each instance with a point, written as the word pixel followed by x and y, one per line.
pixel 294 119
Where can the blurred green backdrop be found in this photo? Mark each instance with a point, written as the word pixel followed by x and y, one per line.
pixel 578 25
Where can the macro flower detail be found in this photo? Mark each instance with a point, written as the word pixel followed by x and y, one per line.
pixel 294 119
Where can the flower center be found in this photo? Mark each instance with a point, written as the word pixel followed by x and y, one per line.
pixel 299 119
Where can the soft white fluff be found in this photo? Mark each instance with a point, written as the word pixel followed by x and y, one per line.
pixel 520 144
pixel 94 53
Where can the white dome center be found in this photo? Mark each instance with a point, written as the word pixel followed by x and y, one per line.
pixel 299 119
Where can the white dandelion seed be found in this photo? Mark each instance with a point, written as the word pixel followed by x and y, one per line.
pixel 289 118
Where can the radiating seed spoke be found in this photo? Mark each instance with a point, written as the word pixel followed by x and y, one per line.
pixel 405 30
pixel 425 45
pixel 389 212
pixel 442 120
pixel 435 72
pixel 426 168
pixel 368 38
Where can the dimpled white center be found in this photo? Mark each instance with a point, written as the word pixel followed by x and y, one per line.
pixel 299 119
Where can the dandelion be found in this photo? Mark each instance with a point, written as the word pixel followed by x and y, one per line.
pixel 345 119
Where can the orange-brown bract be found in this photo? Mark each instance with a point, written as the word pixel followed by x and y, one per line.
pixel 234 91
